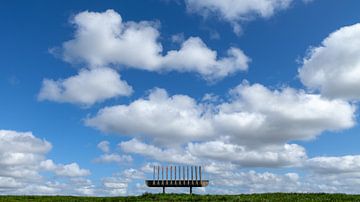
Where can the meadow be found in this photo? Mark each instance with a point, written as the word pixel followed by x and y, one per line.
pixel 186 197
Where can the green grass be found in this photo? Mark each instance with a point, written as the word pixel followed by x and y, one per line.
pixel 185 197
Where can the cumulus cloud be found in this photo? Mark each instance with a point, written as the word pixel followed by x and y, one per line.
pixel 232 181
pixel 108 157
pixel 103 39
pixel 71 170
pixel 335 164
pixel 168 155
pixel 104 146
pixel 118 183
pixel 9 183
pixel 158 116
pixel 83 186
pixel 269 156
pixel 333 68
pixel 235 181
pixel 20 154
pixel 257 114
pixel 23 158
pixel 86 88
pixel 334 173
pixel 331 174
pixel 236 12
pixel 254 182
pixel 217 151
pixel 113 158
pixel 115 186
pixel 246 119
pixel 243 130
pixel 195 56
pixel 68 170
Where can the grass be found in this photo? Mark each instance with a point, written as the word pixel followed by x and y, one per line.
pixel 185 197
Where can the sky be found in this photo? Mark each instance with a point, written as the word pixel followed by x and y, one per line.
pixel 263 94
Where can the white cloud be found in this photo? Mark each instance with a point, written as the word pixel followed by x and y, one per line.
pixel 157 116
pixel 132 173
pixel 104 146
pixel 168 155
pixel 20 154
pixel 235 181
pixel 194 55
pixel 254 182
pixel 103 39
pixel 244 130
pixel 36 189
pixel 110 157
pixel 239 10
pixel 178 38
pixel 86 88
pixel 115 187
pixel 9 183
pixel 334 173
pixel 217 151
pixel 335 164
pixel 22 160
pixel 22 142
pixel 118 183
pixel 67 170
pixel 113 158
pixel 268 156
pixel 258 115
pixel 246 119
pixel 226 178
pixel 334 66
pixel 236 12
pixel 322 174
pixel 148 167
pixel 84 186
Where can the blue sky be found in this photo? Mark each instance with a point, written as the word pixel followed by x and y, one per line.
pixel 263 95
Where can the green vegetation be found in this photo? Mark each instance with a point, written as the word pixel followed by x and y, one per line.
pixel 185 197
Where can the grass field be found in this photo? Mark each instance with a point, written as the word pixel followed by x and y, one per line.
pixel 185 197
